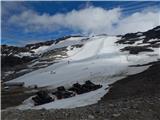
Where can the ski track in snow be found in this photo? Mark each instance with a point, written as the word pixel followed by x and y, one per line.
pixel 99 60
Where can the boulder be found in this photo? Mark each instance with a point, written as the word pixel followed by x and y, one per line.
pixel 42 97
pixel 63 94
pixel 58 94
pixel 77 88
pixel 61 88
pixel 89 86
pixel 67 94
pixel 77 85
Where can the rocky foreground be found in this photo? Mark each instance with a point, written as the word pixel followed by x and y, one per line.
pixel 136 97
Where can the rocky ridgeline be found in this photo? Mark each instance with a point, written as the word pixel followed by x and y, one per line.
pixel 17 61
pixel 48 43
pixel 12 52
pixel 45 96
pixel 141 41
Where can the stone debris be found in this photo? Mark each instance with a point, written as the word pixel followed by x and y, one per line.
pixel 44 96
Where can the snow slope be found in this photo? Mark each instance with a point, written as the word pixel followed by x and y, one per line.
pixel 90 49
pixel 89 60
pixel 99 60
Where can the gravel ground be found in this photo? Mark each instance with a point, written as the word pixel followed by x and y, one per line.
pixel 136 97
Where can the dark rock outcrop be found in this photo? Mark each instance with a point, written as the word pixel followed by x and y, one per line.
pixel 42 97
pixel 131 38
pixel 10 61
pixel 136 49
pixel 63 94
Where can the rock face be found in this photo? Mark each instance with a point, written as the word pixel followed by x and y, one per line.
pixel 43 97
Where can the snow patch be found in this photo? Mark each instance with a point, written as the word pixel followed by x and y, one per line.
pixel 41 49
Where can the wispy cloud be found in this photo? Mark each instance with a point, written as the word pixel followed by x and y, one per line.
pixel 139 21
pixel 88 20
pixel 9 8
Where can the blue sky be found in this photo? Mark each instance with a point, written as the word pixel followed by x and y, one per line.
pixel 27 22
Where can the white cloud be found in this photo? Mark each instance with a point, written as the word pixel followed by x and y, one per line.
pixel 140 21
pixel 89 20
pixel 92 20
